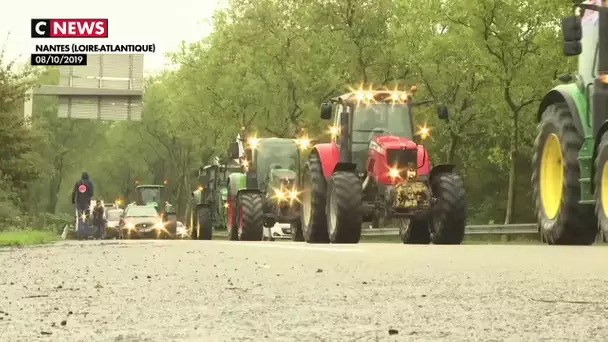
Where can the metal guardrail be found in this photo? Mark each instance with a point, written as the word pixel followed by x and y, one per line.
pixel 481 229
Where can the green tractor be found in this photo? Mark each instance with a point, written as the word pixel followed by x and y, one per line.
pixel 570 163
pixel 267 191
pixel 208 207
pixel 157 196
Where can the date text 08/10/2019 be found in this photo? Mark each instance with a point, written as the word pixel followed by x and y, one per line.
pixel 58 59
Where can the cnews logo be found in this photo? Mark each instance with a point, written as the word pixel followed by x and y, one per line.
pixel 69 28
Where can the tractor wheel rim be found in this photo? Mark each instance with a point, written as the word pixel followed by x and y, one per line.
pixel 551 176
pixel 604 189
pixel 333 215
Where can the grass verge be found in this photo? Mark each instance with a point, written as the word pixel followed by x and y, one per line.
pixel 27 237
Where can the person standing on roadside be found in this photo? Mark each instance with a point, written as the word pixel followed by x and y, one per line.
pixel 82 193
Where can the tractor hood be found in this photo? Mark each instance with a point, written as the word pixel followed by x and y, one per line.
pixel 284 177
pixel 392 142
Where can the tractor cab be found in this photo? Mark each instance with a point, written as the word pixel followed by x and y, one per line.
pixel 152 195
pixel 380 121
pixel 277 162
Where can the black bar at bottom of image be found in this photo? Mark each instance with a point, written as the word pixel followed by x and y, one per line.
pixel 58 59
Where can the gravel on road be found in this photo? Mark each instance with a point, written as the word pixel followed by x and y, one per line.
pixel 233 291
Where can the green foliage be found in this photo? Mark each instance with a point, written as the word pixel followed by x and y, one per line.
pixel 267 67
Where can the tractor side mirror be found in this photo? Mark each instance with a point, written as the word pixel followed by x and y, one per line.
pixel 572 28
pixel 233 150
pixel 573 33
pixel 326 111
pixel 443 113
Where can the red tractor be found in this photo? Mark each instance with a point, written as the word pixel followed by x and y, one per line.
pixel 376 167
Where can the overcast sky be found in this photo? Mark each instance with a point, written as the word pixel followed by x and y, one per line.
pixel 129 21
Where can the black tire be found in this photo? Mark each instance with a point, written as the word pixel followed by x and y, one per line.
pixel 344 215
pixel 204 223
pixel 296 231
pixel 314 192
pixel 251 224
pixel 601 166
pixel 449 215
pixel 574 224
pixel 415 231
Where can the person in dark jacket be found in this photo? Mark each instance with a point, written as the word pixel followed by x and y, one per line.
pixel 83 192
pixel 98 219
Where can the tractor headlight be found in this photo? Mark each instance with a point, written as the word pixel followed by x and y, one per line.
pixel 293 195
pixel 280 195
pixel 393 173
pixel 225 204
pixel 159 225
pixel 129 225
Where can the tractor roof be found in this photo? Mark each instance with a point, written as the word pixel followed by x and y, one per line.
pixel 149 186
pixel 374 96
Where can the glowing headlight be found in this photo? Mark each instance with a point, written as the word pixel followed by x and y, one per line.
pixel 293 195
pixel 159 225
pixel 225 205
pixel 280 194
pixel 303 143
pixel 253 142
pixel 129 225
pixel 393 173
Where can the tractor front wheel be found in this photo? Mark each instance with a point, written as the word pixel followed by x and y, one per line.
pixel 204 223
pixel 251 217
pixel 449 215
pixel 314 191
pixel 344 217
pixel 555 179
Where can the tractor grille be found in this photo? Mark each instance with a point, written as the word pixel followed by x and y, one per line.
pixel 404 160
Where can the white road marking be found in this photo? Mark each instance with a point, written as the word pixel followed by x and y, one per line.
pixel 295 246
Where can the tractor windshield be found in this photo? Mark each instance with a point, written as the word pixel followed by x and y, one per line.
pixel 276 154
pixel 376 119
pixel 150 196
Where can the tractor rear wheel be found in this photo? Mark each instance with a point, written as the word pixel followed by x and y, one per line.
pixel 555 179
pixel 415 231
pixel 344 217
pixel 251 216
pixel 449 217
pixel 601 186
pixel 204 223
pixel 314 192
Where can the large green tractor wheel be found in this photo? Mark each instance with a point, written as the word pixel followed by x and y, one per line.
pixel 204 222
pixel 344 217
pixel 251 216
pixel 314 193
pixel 601 186
pixel 555 178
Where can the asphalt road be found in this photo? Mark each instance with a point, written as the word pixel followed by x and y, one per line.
pixel 282 291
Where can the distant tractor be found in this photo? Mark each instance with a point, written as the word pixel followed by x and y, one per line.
pixel 375 167
pixel 209 203
pixel 156 196
pixel 267 191
pixel 570 162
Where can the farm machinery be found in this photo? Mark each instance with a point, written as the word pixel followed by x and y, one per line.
pixel 157 196
pixel 208 207
pixel 267 190
pixel 375 166
pixel 570 162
